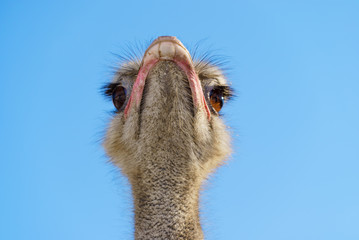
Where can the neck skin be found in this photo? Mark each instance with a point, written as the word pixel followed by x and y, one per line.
pixel 166 202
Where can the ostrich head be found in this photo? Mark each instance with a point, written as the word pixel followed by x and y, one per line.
pixel 167 136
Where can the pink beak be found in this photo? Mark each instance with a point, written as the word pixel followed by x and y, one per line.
pixel 167 48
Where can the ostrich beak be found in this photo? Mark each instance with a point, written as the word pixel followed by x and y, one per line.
pixel 170 49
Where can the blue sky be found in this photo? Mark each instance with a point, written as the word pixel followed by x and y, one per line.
pixel 295 120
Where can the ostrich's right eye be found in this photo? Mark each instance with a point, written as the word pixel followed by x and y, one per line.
pixel 119 97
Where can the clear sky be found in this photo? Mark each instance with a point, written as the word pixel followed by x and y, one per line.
pixel 295 121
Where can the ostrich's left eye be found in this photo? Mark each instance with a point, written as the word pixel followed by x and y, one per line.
pixel 216 99
pixel 119 97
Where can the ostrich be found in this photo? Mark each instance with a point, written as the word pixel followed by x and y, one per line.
pixel 167 136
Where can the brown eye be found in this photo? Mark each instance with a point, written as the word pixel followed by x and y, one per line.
pixel 216 99
pixel 119 97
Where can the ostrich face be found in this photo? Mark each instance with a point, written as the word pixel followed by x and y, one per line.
pixel 167 112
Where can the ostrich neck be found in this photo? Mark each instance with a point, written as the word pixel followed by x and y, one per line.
pixel 167 172
pixel 166 193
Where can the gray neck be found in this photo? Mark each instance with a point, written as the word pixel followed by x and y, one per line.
pixel 166 202
pixel 168 173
